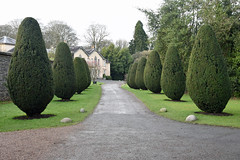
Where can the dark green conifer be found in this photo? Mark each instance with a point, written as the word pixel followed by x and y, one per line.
pixel 139 74
pixel 128 76
pixel 207 80
pixel 140 38
pixel 63 72
pixel 173 78
pixel 152 72
pixel 88 74
pixel 30 81
pixel 81 75
pixel 132 76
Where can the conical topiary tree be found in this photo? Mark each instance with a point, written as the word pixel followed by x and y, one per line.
pixel 132 76
pixel 81 75
pixel 63 72
pixel 30 80
pixel 128 76
pixel 173 78
pixel 152 72
pixel 207 80
pixel 88 74
pixel 139 73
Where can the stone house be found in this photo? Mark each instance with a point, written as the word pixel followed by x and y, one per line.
pixel 96 62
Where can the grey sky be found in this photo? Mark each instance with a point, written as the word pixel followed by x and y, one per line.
pixel 119 16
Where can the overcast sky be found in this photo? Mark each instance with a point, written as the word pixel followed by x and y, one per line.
pixel 120 16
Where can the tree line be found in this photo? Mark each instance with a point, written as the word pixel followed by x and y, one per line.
pixel 178 21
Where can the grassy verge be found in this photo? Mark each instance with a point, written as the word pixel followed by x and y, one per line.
pixel 180 110
pixel 88 100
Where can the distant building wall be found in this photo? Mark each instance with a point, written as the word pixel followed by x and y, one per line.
pixel 6 47
pixel 4 65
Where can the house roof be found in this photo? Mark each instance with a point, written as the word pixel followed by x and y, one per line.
pixel 88 52
pixel 7 40
pixel 11 50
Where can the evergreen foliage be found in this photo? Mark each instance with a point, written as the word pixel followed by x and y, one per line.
pixel 140 38
pixel 63 72
pixel 89 80
pixel 139 74
pixel 128 76
pixel 30 81
pixel 173 78
pixel 81 75
pixel 152 72
pixel 207 81
pixel 120 60
pixel 132 76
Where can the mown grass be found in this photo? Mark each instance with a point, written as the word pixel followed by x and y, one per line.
pixel 88 100
pixel 180 110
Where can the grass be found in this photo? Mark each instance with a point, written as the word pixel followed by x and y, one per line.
pixel 180 110
pixel 88 100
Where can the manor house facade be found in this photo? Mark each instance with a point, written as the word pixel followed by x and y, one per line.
pixel 94 59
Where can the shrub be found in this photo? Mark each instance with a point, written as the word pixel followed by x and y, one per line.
pixel 81 75
pixel 152 72
pixel 132 76
pixel 173 78
pixel 30 80
pixel 128 76
pixel 139 73
pixel 207 80
pixel 63 72
pixel 88 74
pixel 108 78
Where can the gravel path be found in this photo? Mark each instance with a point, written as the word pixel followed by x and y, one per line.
pixel 123 128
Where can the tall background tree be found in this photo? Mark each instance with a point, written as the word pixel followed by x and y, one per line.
pixel 10 29
pixel 96 36
pixel 121 43
pixel 30 81
pixel 140 38
pixel 58 31
pixel 120 60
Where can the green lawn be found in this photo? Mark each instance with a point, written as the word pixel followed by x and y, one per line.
pixel 88 99
pixel 180 110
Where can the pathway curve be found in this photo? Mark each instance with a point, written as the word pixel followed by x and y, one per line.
pixel 123 128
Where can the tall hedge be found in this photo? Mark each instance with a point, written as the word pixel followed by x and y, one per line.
pixel 29 79
pixel 81 75
pixel 207 80
pixel 173 78
pixel 128 77
pixel 63 72
pixel 152 72
pixel 88 74
pixel 132 76
pixel 139 74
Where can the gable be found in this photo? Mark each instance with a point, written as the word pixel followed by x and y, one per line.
pixel 80 53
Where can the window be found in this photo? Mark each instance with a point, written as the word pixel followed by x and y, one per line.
pixel 98 62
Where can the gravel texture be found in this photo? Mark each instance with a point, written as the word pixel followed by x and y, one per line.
pixel 122 128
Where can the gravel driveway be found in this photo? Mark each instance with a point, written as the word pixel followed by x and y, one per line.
pixel 123 128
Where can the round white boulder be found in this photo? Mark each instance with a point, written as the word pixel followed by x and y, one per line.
pixel 163 110
pixel 66 120
pixel 191 118
pixel 82 110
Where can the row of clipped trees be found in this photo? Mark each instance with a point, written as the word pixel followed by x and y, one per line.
pixel 32 82
pixel 207 79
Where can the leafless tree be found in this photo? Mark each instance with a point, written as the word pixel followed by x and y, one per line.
pixel 121 43
pixel 95 36
pixel 58 31
pixel 10 29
